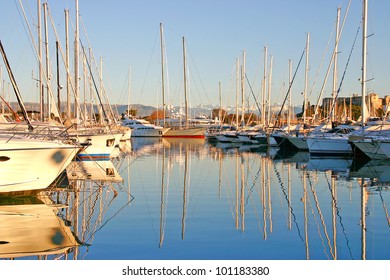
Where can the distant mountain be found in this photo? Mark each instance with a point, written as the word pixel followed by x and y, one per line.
pixel 144 110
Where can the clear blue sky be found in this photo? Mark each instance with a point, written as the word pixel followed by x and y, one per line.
pixel 125 34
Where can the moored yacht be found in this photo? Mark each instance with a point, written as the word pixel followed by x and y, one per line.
pixel 335 142
pixel 143 128
pixel 28 164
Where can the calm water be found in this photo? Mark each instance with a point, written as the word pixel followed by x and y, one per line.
pixel 191 200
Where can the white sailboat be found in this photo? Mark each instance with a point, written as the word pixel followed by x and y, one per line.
pixel 374 145
pixel 30 161
pixel 28 165
pixel 143 128
pixel 185 131
pixel 101 139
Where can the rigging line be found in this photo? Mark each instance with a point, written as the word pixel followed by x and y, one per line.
pixel 384 207
pixel 197 72
pixel 35 52
pixel 319 68
pixel 288 202
pixel 253 94
pixel 338 214
pixel 254 184
pixel 16 89
pixel 103 87
pixel 148 67
pixel 317 203
pixel 345 70
pixel 93 80
pixel 332 59
pixel 110 218
pixel 289 88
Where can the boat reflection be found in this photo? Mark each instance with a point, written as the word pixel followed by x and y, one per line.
pixel 33 227
pixel 61 222
pixel 376 170
pixel 96 170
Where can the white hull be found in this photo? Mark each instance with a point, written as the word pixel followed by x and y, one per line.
pixel 141 132
pixel 374 148
pixel 100 145
pixel 142 128
pixel 327 146
pixel 30 164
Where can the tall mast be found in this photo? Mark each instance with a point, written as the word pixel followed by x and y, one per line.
pixel 243 87
pixel 162 71
pixel 289 95
pixel 15 87
pixel 76 62
pixel 306 79
pixel 237 88
pixel 364 61
pixel 40 85
pixel 128 97
pixel 67 65
pixel 335 55
pixel 264 88
pixel 269 92
pixel 47 60
pixel 58 78
pixel 185 80
pixel 220 103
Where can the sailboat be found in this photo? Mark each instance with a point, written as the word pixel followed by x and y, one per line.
pixel 30 161
pixel 100 139
pixel 374 145
pixel 183 130
pixel 336 141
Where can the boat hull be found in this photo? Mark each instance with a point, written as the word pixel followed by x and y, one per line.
pixel 185 133
pixel 32 165
pixel 332 146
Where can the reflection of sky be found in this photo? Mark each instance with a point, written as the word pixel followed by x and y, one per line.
pixel 220 219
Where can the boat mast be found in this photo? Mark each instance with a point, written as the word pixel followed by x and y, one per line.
pixel 220 103
pixel 76 63
pixel 237 88
pixel 40 85
pixel 364 61
pixel 58 77
pixel 243 70
pixel 48 105
pixel 306 79
pixel 269 92
pixel 128 97
pixel 16 88
pixel 185 80
pixel 335 55
pixel 264 88
pixel 162 71
pixel 289 95
pixel 67 65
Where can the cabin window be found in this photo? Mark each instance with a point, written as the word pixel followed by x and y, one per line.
pixel 110 142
